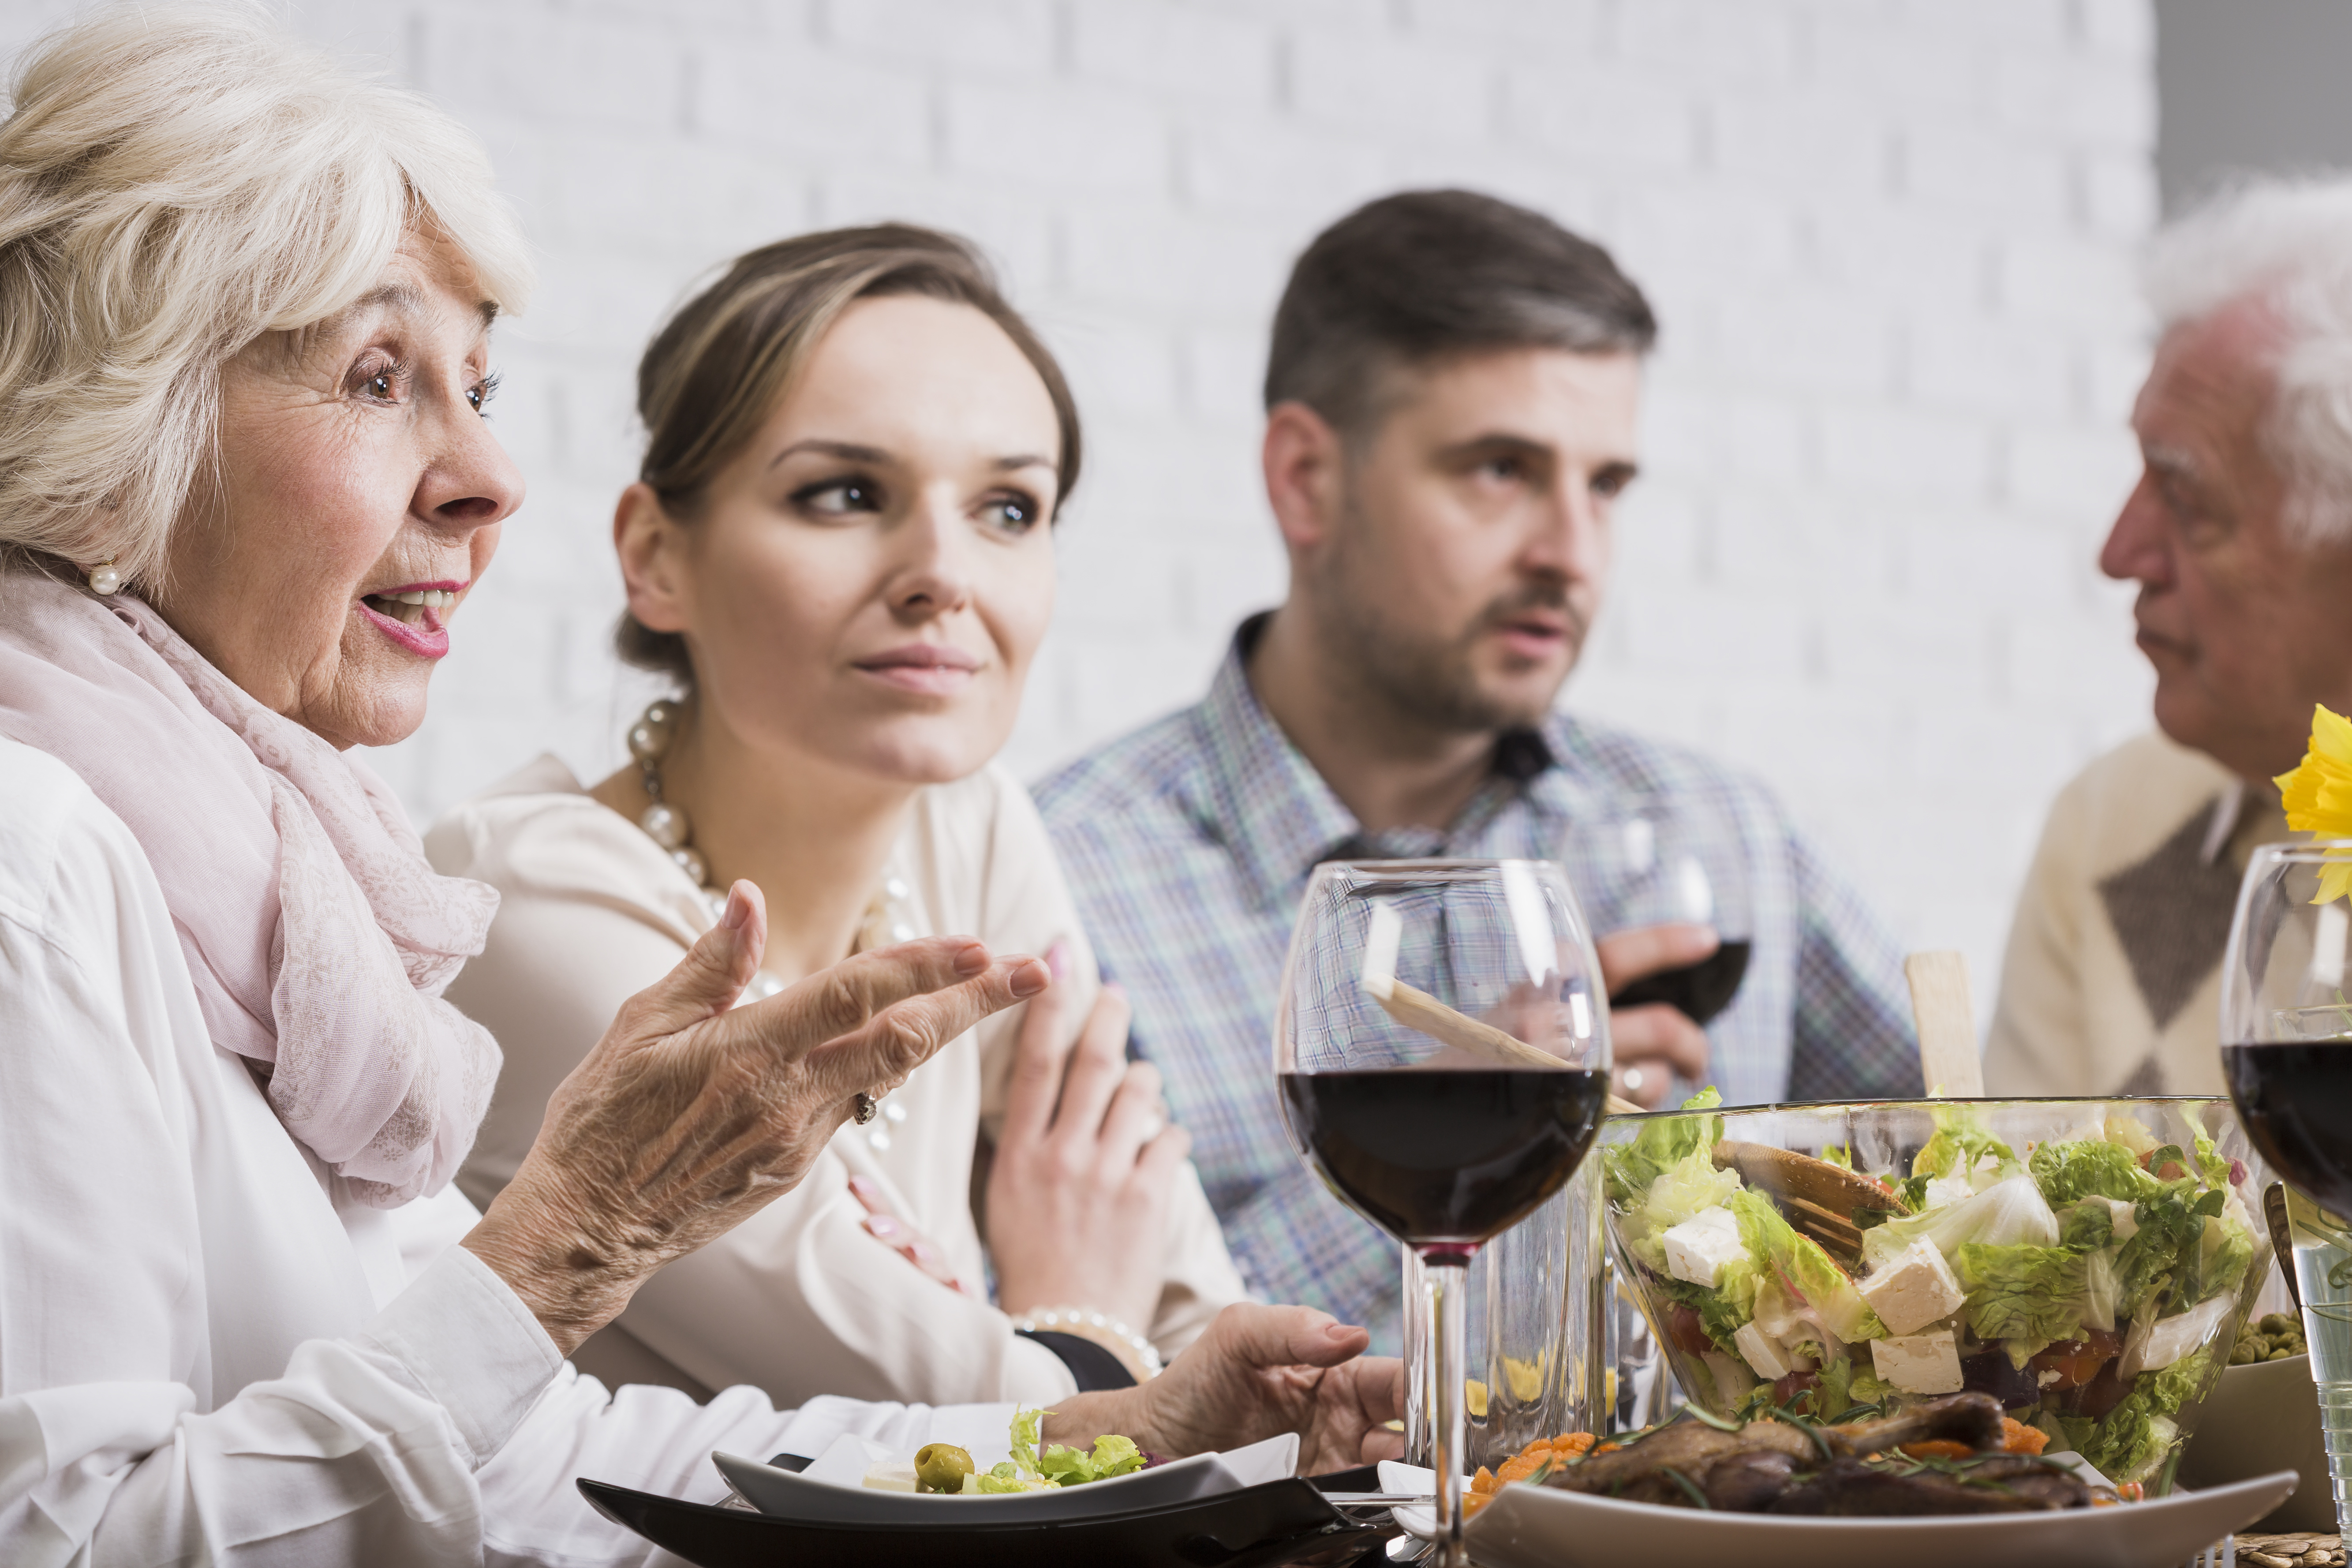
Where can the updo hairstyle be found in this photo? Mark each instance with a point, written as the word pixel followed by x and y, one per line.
pixel 718 369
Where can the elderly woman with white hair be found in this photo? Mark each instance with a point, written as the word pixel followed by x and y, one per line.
pixel 245 313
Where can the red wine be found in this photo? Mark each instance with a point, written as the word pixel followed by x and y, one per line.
pixel 2296 1099
pixel 1700 990
pixel 1444 1156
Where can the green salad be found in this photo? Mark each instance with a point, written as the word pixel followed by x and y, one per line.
pixel 944 1468
pixel 2085 1281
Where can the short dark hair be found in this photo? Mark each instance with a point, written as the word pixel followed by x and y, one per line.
pixel 1424 276
pixel 718 368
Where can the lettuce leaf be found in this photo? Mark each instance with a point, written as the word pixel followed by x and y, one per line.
pixel 1962 1139
pixel 1001 1481
pixel 2008 1214
pixel 1807 1271
pixel 1686 1188
pixel 1025 1424
pixel 2223 1255
pixel 2083 1168
pixel 2129 1445
pixel 2167 1250
pixel 1112 1455
pixel 2087 1226
pixel 1722 1311
pixel 1668 1140
pixel 2025 1292
pixel 1847 1381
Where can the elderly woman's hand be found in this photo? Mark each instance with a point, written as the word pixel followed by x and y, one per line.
pixel 1258 1372
pixel 687 1117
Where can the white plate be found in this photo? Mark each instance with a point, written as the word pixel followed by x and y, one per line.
pixel 1542 1527
pixel 830 1490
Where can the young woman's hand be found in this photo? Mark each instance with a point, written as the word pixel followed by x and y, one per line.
pixel 687 1118
pixel 1258 1372
pixel 1078 1189
pixel 887 1225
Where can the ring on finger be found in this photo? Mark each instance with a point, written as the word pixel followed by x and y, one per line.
pixel 864 1107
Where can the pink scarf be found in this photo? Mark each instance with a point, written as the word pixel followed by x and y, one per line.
pixel 319 937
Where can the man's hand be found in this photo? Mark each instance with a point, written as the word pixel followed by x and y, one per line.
pixel 1653 1045
pixel 1258 1372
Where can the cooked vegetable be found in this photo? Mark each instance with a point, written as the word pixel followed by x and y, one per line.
pixel 2275 1338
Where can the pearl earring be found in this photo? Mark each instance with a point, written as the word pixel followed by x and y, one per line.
pixel 104 578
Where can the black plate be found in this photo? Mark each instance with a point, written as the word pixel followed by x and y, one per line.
pixel 1257 1527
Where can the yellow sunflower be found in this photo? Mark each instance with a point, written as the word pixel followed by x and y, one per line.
pixel 2319 795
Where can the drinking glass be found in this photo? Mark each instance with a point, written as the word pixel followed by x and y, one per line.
pixel 2286 1032
pixel 1442 1053
pixel 1651 860
pixel 1536 1335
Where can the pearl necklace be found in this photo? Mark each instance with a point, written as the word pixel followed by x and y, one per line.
pixel 886 921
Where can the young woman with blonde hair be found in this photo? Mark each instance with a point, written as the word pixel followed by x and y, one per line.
pixel 841 553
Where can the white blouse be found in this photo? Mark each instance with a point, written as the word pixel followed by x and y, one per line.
pixel 208 1354
pixel 800 1299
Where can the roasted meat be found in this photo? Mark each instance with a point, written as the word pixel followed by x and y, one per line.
pixel 1677 1464
pixel 1997 1483
pixel 1859 1468
pixel 1970 1418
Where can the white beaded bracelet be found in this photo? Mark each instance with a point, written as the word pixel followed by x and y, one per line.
pixel 1138 1354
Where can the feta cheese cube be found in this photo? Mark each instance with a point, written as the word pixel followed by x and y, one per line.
pixel 1914 1289
pixel 891 1476
pixel 1919 1363
pixel 1697 1249
pixel 1762 1351
pixel 2127 1218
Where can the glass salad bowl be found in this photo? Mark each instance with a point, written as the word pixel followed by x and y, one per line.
pixel 2086 1261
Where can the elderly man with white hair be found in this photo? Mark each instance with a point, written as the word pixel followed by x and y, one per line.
pixel 2239 536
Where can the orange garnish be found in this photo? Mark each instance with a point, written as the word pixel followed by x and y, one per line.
pixel 1523 1467
pixel 1938 1448
pixel 1572 1443
pixel 1472 1501
pixel 2016 1437
pixel 1483 1483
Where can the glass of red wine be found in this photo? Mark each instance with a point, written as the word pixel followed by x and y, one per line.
pixel 1653 861
pixel 2286 1032
pixel 1442 1053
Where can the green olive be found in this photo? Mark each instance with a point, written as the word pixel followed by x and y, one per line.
pixel 941 1467
pixel 2278 1323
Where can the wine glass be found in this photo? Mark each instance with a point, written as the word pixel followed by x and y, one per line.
pixel 1652 862
pixel 2286 1032
pixel 1442 1053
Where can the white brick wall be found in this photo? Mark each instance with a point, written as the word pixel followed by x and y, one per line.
pixel 1890 241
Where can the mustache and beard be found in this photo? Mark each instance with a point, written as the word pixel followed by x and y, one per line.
pixel 1436 680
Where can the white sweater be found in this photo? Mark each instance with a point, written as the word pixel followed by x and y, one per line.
pixel 798 1300
pixel 208 1354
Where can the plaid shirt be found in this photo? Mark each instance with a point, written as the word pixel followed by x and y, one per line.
pixel 1188 845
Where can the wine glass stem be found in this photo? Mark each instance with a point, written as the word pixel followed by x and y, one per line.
pixel 1447 1277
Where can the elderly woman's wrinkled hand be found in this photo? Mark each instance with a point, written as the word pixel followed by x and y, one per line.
pixel 1258 1372
pixel 688 1117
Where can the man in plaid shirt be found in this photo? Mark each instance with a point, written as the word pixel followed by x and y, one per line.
pixel 1451 395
